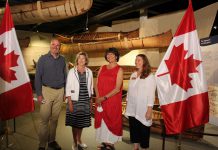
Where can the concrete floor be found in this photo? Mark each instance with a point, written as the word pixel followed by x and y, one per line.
pixel 26 137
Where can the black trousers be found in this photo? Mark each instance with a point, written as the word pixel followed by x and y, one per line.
pixel 139 133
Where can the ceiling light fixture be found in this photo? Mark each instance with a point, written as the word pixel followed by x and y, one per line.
pixel 87 21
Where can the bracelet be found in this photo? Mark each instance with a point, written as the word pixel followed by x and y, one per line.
pixel 105 98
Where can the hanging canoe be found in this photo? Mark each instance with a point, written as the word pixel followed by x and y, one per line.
pixel 41 12
pixel 97 36
pixel 158 41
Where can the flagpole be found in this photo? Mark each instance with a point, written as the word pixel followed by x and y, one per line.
pixel 179 142
pixel 6 134
pixel 5 137
pixel 163 133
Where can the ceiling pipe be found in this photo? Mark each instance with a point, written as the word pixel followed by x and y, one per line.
pixel 125 9
pixel 121 10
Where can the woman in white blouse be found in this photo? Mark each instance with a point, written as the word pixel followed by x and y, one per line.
pixel 79 90
pixel 140 100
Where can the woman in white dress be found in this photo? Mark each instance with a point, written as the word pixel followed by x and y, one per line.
pixel 140 100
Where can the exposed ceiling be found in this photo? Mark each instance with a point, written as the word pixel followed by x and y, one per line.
pixel 103 12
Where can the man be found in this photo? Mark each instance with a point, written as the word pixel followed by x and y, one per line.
pixel 49 83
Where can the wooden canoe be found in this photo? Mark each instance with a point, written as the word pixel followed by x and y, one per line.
pixel 40 12
pixel 157 41
pixel 97 36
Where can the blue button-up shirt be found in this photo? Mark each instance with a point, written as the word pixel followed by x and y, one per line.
pixel 50 72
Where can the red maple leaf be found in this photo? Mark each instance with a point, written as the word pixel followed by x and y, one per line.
pixel 7 61
pixel 179 67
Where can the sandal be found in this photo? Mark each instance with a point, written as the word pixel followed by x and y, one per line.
pixel 80 147
pixel 102 146
pixel 83 145
pixel 109 147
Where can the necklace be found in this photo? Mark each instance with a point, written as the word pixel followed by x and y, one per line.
pixel 81 69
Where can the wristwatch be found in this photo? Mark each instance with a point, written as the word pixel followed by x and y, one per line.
pixel 105 98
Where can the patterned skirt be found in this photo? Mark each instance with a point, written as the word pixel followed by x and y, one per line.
pixel 81 115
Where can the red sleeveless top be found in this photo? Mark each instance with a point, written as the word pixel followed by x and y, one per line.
pixel 112 107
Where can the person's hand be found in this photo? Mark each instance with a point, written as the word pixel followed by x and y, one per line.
pixel 71 107
pixel 148 114
pixel 40 99
pixel 98 100
pixel 64 98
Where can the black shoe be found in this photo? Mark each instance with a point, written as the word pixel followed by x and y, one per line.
pixel 54 145
pixel 41 148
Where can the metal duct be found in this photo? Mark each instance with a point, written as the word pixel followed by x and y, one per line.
pixel 124 9
pixel 116 12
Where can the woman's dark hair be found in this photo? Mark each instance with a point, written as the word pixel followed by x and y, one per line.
pixel 146 69
pixel 114 51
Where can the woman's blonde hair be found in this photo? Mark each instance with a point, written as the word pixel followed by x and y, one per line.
pixel 84 54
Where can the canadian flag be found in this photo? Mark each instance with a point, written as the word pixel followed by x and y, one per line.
pixel 181 84
pixel 16 95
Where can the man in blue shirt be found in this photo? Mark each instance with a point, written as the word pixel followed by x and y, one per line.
pixel 49 84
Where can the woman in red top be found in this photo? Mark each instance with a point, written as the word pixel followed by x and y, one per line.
pixel 108 113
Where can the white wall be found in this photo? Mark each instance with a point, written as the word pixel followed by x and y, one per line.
pixel 39 45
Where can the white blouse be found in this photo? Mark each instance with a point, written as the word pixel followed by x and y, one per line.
pixel 72 84
pixel 140 95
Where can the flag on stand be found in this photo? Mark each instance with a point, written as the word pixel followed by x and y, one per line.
pixel 16 95
pixel 181 84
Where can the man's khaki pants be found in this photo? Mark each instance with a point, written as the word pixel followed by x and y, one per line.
pixel 49 113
